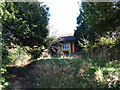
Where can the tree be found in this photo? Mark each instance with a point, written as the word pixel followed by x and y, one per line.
pixel 97 22
pixel 97 18
pixel 25 24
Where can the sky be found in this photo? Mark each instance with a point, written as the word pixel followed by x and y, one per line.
pixel 63 14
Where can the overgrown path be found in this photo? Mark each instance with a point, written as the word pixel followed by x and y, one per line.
pixel 35 73
pixel 66 73
pixel 18 78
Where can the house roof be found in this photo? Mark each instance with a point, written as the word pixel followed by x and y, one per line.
pixel 66 39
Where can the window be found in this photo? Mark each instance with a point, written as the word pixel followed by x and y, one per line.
pixel 66 46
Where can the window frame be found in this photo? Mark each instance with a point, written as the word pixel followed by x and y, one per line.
pixel 65 46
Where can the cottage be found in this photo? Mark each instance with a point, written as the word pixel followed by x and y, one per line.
pixel 67 45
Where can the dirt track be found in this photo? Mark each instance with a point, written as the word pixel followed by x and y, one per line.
pixel 38 72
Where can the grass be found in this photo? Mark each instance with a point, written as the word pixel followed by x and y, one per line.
pixel 73 72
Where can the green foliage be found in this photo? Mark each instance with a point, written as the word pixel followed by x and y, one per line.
pixel 95 21
pixel 98 29
pixel 98 19
pixel 74 72
pixel 3 82
pixel 25 24
pixel 107 41
pixel 24 29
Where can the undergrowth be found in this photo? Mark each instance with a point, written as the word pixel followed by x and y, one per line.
pixel 74 72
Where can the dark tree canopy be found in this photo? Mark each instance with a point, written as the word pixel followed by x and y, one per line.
pixel 97 18
pixel 25 23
